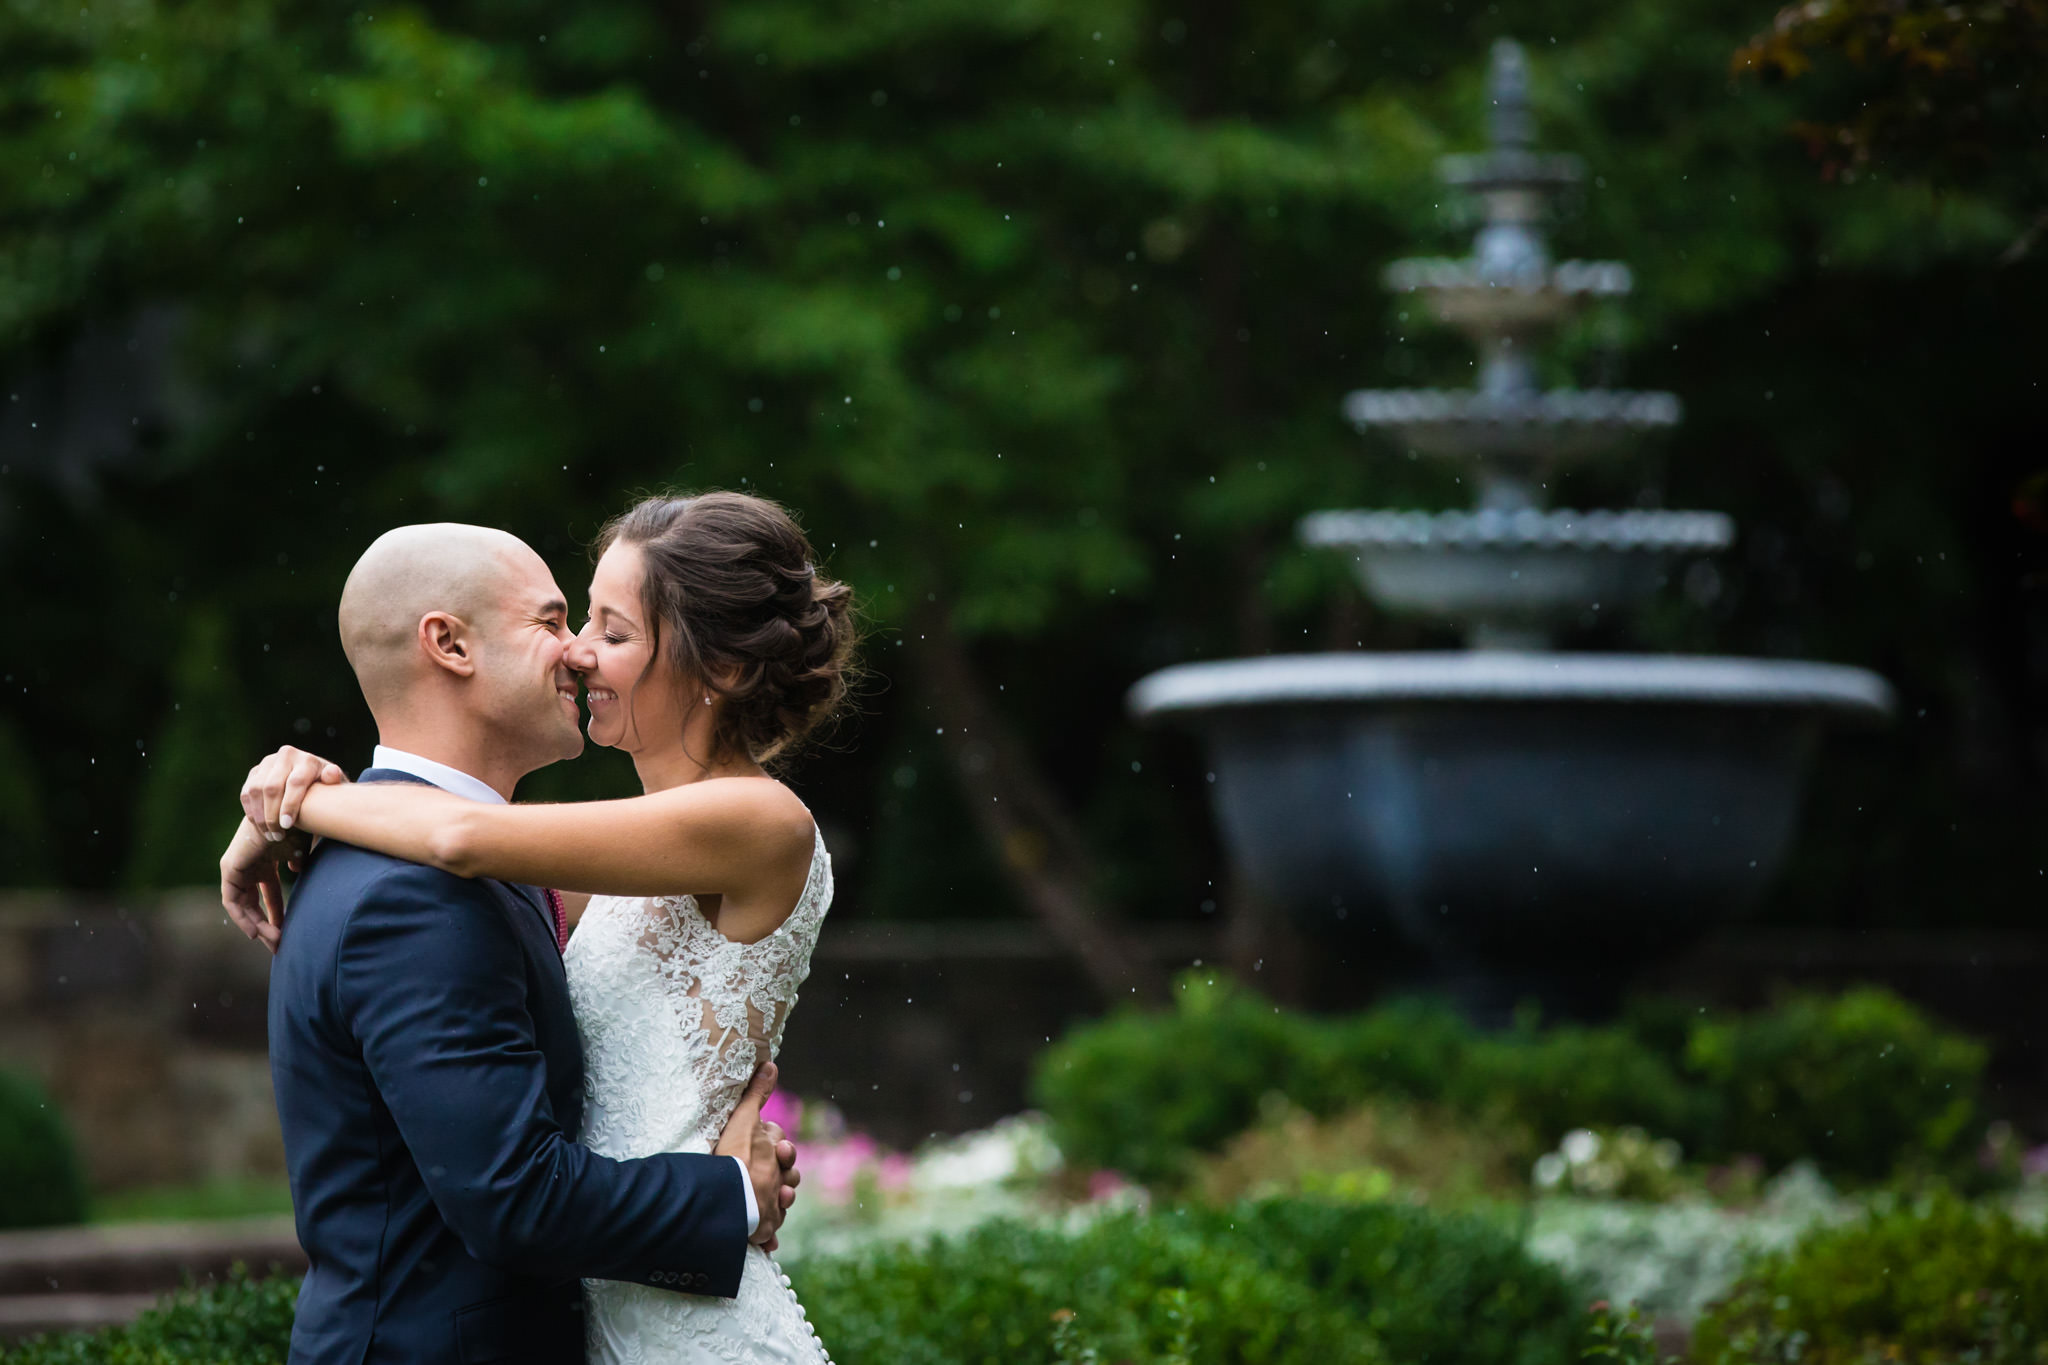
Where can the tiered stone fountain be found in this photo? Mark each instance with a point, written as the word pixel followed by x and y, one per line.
pixel 1538 821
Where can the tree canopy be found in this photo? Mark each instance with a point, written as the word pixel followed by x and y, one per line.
pixel 1038 312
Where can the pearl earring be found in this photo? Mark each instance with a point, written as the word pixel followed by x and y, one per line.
pixel 707 699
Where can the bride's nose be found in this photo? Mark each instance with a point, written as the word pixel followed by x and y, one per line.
pixel 580 654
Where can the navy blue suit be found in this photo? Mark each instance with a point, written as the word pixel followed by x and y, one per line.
pixel 430 1084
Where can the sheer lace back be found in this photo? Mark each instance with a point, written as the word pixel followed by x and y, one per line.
pixel 675 1016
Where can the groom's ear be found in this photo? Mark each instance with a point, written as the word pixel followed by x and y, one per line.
pixel 444 639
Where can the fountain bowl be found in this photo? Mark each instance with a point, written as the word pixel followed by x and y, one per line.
pixel 1519 816
pixel 1531 567
pixel 1559 423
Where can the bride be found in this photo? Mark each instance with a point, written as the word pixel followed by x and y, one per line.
pixel 713 645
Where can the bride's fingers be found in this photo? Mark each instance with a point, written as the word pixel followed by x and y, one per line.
pixel 252 791
pixel 787 1196
pixel 304 773
pixel 276 783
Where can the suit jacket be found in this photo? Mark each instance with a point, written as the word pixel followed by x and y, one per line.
pixel 430 1083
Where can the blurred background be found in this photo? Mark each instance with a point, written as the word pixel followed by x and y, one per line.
pixel 1040 316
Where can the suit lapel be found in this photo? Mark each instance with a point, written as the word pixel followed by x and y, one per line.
pixel 532 896
pixel 524 902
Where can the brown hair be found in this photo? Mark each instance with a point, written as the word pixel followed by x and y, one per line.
pixel 732 589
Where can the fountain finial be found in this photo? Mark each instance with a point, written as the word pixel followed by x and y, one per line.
pixel 1509 571
pixel 1507 86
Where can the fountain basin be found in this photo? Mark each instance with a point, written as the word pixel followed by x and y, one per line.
pixel 1465 294
pixel 1475 422
pixel 1529 568
pixel 1511 813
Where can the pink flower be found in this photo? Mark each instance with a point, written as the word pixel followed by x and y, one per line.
pixel 894 1171
pixel 785 1109
pixel 836 1165
pixel 1103 1184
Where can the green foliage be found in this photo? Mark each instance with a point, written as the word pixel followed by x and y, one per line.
pixel 1861 1084
pixel 1455 1289
pixel 1383 1149
pixel 24 832
pixel 1622 1338
pixel 41 1181
pixel 185 810
pixel 1953 93
pixel 1279 1281
pixel 1936 1282
pixel 227 1197
pixel 1094 279
pixel 1408 1049
pixel 241 1321
pixel 1856 1082
pixel 1550 1081
pixel 1142 1091
pixel 992 1295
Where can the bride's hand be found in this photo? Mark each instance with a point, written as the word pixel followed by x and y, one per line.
pixel 250 890
pixel 277 786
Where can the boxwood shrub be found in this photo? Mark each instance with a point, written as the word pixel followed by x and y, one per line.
pixel 1281 1281
pixel 1862 1083
pixel 1859 1083
pixel 1939 1281
pixel 240 1321
pixel 1547 1082
pixel 41 1181
pixel 1141 1092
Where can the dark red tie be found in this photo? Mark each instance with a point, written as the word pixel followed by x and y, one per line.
pixel 554 899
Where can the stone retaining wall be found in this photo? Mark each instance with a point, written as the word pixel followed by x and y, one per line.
pixel 146 1017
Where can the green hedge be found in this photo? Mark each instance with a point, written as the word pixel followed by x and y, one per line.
pixel 241 1321
pixel 41 1181
pixel 1943 1281
pixel 1862 1083
pixel 1280 1282
pixel 1139 1091
pixel 1859 1083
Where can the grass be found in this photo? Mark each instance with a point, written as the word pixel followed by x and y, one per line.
pixel 244 1197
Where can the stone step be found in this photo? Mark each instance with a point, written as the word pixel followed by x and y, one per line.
pixel 142 1258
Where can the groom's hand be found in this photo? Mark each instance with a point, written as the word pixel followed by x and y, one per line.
pixel 768 1155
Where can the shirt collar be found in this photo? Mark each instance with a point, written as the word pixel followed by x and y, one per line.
pixel 440 774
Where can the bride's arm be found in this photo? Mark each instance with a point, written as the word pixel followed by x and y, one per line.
pixel 722 835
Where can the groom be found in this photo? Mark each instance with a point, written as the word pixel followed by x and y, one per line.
pixel 427 1066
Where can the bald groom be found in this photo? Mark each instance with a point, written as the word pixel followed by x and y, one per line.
pixel 428 1071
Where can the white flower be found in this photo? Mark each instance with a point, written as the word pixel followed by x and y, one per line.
pixel 1550 1171
pixel 1580 1146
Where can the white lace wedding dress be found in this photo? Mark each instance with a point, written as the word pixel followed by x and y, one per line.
pixel 674 1018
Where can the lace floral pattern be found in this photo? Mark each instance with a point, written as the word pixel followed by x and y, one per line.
pixel 675 1017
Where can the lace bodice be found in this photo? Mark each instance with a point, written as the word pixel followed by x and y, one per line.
pixel 675 1016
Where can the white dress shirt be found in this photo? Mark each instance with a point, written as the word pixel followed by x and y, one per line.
pixel 459 783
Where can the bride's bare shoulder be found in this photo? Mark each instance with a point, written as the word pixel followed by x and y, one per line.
pixel 770 810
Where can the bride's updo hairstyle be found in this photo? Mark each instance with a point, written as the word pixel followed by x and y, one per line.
pixel 732 591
